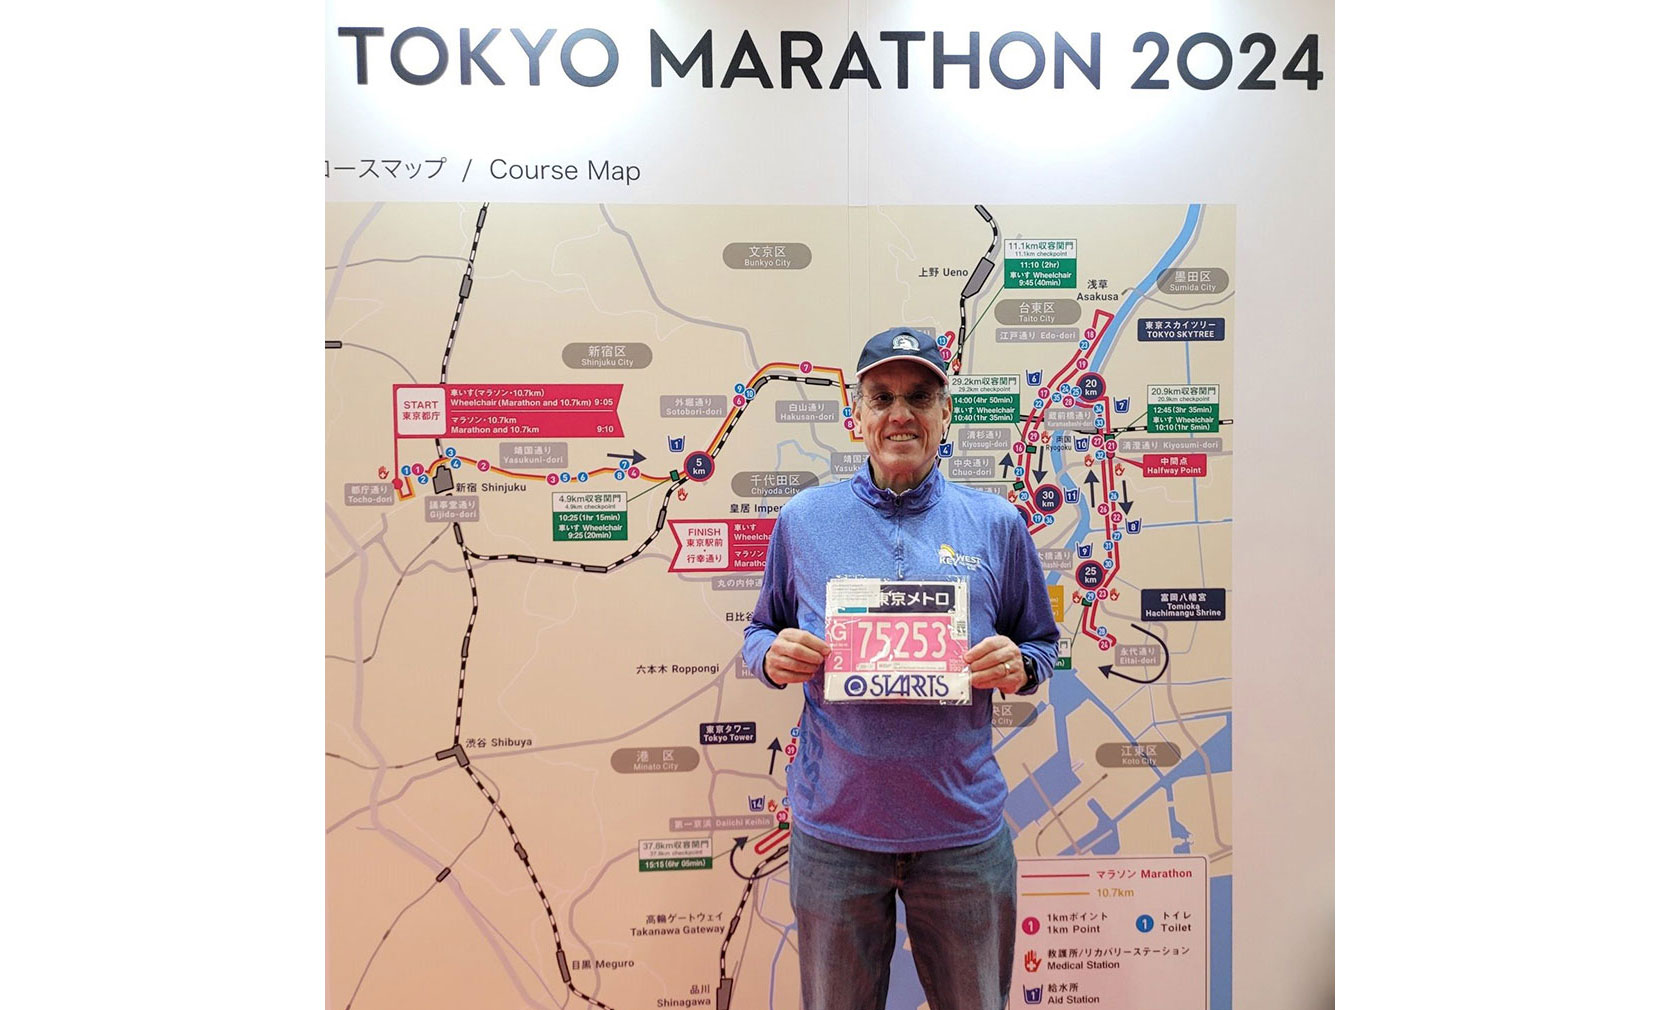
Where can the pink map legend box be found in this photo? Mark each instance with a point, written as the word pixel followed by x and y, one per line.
pixel 562 410
pixel 1190 464
pixel 720 545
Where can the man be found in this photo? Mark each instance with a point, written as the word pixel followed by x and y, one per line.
pixel 901 798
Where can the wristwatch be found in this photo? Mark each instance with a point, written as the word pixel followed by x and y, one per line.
pixel 1030 666
pixel 767 678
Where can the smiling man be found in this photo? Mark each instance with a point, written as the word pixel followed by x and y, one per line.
pixel 901 800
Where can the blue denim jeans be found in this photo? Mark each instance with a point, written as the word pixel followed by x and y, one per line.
pixel 959 912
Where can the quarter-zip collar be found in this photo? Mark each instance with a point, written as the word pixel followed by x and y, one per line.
pixel 913 502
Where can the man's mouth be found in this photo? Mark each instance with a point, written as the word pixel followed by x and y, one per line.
pixel 902 437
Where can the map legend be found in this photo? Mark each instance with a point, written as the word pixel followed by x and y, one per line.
pixel 1117 931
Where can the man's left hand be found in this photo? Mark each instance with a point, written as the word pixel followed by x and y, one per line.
pixel 995 663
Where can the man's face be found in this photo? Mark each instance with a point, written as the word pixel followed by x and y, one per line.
pixel 903 439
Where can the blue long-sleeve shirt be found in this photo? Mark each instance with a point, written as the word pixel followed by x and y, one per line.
pixel 898 777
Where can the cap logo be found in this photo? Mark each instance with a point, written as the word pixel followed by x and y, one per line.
pixel 906 342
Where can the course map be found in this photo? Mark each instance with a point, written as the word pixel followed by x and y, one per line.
pixel 557 438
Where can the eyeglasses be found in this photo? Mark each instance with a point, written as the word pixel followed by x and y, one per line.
pixel 921 399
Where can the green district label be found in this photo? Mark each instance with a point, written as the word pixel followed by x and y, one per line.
pixel 590 515
pixel 985 399
pixel 1184 409
pixel 1040 263
pixel 676 854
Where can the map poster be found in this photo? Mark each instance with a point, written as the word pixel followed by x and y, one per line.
pixel 897 641
pixel 556 780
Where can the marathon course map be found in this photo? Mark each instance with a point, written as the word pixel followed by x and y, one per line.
pixel 557 438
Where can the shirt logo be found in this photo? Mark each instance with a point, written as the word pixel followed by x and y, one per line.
pixel 906 342
pixel 951 559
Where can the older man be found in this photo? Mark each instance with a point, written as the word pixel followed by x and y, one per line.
pixel 902 799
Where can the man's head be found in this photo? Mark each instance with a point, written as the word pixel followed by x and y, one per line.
pixel 901 406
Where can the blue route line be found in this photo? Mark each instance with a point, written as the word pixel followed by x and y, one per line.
pixel 1029 721
pixel 1109 337
pixel 801 449
pixel 772 976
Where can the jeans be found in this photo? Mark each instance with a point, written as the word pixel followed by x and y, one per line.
pixel 959 912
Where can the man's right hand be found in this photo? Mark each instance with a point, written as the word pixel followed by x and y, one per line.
pixel 795 656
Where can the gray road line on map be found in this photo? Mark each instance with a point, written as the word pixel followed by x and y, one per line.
pixel 479 919
pixel 1188 308
pixel 974 313
pixel 376 350
pixel 1037 841
pixel 490 931
pixel 394 797
pixel 510 946
pixel 351 555
pixel 589 743
pixel 1045 797
pixel 345 254
pixel 818 441
pixel 749 343
pixel 1199 543
pixel 370 768
pixel 386 610
pixel 387 935
pixel 357 666
pixel 570 916
pixel 714 773
pixel 1204 759
pixel 749 931
pixel 387 259
pixel 531 968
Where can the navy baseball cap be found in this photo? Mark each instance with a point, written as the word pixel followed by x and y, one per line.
pixel 901 343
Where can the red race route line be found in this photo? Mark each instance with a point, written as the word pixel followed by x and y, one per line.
pixel 1075 365
pixel 766 370
pixel 1078 361
pixel 405 488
